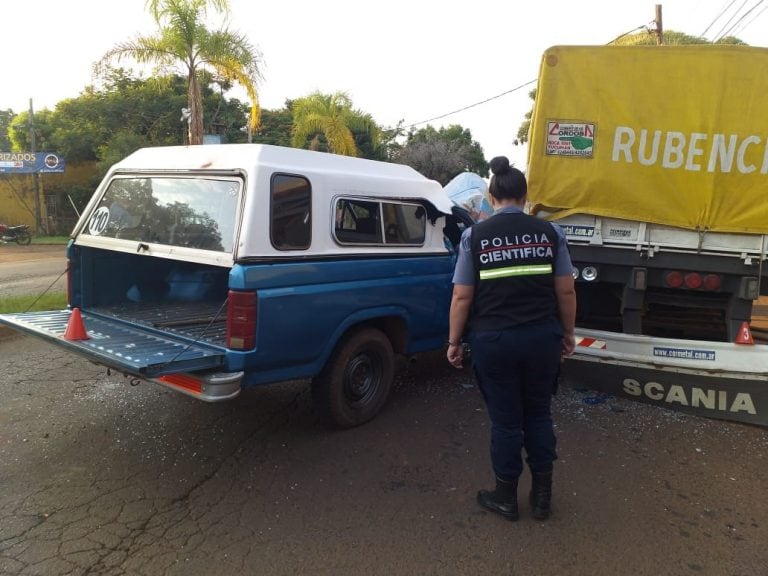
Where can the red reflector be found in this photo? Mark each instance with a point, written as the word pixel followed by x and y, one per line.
pixel 69 282
pixel 712 282
pixel 241 320
pixel 693 280
pixel 183 381
pixel 744 336
pixel 674 279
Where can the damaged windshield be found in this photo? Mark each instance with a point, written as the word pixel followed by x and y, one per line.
pixel 192 212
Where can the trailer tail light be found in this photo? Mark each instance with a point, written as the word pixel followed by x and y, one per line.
pixel 241 320
pixel 673 279
pixel 712 282
pixel 693 281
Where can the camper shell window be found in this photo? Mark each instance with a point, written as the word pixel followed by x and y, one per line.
pixel 195 212
pixel 379 223
pixel 290 212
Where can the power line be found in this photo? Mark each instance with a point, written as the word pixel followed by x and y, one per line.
pixel 747 13
pixel 515 89
pixel 722 12
pixel 738 28
pixel 728 23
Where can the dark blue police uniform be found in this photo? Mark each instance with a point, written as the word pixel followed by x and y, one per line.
pixel 516 335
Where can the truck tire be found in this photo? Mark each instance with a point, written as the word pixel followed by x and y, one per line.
pixel 356 381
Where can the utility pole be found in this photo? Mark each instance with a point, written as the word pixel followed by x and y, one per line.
pixel 36 175
pixel 659 26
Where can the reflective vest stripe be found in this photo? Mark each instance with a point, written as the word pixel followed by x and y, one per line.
pixel 516 271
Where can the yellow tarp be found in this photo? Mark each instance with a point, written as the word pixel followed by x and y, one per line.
pixel 674 135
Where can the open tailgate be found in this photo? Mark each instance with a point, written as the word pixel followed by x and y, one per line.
pixel 126 347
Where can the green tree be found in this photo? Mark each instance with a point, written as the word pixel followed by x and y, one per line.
pixel 275 127
pixel 671 38
pixel 183 39
pixel 6 116
pixel 18 132
pixel 443 154
pixel 98 124
pixel 390 147
pixel 522 131
pixel 329 122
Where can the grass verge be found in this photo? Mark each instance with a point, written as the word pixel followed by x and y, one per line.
pixel 50 240
pixel 52 301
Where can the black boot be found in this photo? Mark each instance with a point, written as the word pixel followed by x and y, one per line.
pixel 503 500
pixel 541 494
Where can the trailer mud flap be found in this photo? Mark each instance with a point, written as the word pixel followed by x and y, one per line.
pixel 129 348
pixel 726 396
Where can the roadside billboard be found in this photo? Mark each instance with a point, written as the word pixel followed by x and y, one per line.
pixel 30 162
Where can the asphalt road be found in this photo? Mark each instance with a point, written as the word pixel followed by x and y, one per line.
pixel 100 477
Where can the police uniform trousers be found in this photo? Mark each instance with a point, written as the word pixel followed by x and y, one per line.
pixel 517 370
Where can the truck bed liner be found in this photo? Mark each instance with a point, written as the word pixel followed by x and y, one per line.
pixel 201 321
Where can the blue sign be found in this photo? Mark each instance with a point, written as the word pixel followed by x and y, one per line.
pixel 684 353
pixel 30 162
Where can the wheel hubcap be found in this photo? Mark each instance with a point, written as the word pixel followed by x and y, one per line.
pixel 362 379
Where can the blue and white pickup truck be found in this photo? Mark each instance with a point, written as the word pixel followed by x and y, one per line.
pixel 210 269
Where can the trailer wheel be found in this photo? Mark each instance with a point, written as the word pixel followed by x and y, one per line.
pixel 355 384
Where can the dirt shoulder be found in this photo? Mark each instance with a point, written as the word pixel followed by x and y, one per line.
pixel 16 253
pixel 29 270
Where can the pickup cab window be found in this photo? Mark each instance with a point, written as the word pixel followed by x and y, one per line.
pixel 291 216
pixel 367 222
pixel 196 212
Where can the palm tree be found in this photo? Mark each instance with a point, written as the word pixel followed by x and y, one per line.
pixel 183 39
pixel 331 117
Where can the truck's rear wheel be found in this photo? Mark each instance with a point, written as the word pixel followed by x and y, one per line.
pixel 356 382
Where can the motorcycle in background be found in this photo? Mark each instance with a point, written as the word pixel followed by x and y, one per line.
pixel 19 234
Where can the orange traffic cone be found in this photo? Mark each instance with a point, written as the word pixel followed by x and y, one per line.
pixel 75 328
pixel 744 335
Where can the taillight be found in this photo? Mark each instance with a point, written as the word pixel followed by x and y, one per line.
pixel 674 279
pixel 241 320
pixel 693 280
pixel 712 282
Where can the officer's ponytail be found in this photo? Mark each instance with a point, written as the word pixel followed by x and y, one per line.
pixel 507 181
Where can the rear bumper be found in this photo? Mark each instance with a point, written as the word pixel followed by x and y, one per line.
pixel 208 387
pixel 719 380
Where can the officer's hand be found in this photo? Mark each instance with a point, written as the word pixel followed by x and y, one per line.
pixel 455 355
pixel 569 345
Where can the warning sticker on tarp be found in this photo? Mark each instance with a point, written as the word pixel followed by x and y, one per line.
pixel 570 139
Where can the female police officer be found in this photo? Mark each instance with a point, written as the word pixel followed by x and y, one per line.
pixel 513 278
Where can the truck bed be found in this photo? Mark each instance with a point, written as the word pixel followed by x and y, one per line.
pixel 201 321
